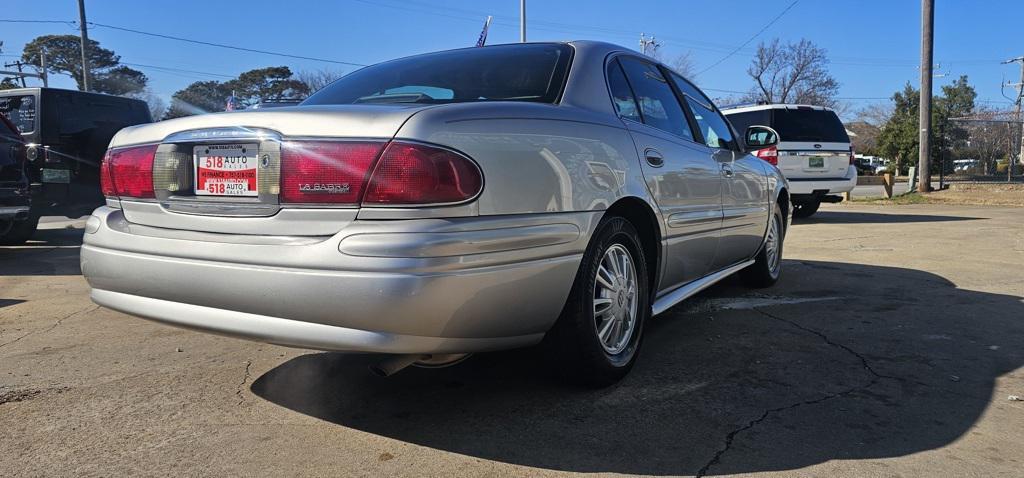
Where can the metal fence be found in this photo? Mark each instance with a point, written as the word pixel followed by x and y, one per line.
pixel 981 149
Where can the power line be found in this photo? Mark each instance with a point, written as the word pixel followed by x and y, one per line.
pixel 220 45
pixel 752 37
pixel 177 70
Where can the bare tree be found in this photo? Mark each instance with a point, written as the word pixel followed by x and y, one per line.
pixel 793 73
pixel 157 105
pixel 316 79
pixel 876 114
pixel 684 65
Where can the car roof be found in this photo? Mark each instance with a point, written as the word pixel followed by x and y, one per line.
pixel 773 106
pixel 35 89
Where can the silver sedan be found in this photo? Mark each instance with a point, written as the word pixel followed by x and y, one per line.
pixel 443 204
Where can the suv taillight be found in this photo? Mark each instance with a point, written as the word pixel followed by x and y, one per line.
pixel 128 172
pixel 375 173
pixel 770 154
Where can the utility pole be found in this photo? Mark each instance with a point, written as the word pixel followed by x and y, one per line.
pixel 522 21
pixel 84 29
pixel 649 46
pixel 1017 115
pixel 924 183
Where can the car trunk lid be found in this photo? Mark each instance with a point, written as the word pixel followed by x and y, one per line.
pixel 221 173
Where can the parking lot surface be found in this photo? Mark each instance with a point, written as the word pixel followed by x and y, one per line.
pixel 889 348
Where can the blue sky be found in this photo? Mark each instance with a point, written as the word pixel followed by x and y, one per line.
pixel 874 45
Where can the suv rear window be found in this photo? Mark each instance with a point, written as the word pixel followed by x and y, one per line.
pixel 530 72
pixel 821 126
pixel 20 110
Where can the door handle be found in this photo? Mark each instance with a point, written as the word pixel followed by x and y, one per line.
pixel 727 170
pixel 654 158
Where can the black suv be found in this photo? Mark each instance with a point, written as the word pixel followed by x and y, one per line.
pixel 64 135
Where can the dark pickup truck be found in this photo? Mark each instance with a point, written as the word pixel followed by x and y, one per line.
pixel 64 134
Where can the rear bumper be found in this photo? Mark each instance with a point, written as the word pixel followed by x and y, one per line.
pixel 800 186
pixel 416 286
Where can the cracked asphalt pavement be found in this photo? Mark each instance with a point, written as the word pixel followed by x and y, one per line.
pixel 889 348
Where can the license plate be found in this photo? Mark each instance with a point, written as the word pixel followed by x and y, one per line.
pixel 816 162
pixel 226 170
pixel 56 175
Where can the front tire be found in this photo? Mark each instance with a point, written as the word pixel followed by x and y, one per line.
pixel 767 266
pixel 597 338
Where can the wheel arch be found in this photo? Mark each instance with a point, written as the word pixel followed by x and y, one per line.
pixel 640 214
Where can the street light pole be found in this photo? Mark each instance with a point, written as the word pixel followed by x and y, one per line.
pixel 85 44
pixel 924 183
pixel 522 21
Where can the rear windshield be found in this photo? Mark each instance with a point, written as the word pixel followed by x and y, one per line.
pixel 820 126
pixel 532 72
pixel 809 125
pixel 20 110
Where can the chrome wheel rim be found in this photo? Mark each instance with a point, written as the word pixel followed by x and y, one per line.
pixel 772 247
pixel 615 299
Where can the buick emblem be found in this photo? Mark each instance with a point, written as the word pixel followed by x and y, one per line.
pixel 265 161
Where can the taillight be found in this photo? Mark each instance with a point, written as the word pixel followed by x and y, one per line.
pixel 128 172
pixel 326 172
pixel 417 174
pixel 770 154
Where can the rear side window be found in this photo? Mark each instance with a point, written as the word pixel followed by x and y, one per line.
pixel 712 124
pixel 801 124
pixel 658 103
pixel 519 72
pixel 622 95
pixel 20 110
pixel 742 121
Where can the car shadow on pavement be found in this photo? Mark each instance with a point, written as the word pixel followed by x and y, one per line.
pixel 48 252
pixel 840 362
pixel 860 217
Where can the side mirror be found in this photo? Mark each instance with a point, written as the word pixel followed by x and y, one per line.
pixel 760 137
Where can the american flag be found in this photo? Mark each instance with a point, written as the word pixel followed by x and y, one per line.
pixel 483 33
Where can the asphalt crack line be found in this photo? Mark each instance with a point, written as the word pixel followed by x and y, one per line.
pixel 53 326
pixel 245 378
pixel 863 360
pixel 751 424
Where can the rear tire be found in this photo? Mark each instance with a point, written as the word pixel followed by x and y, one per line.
pixel 597 338
pixel 17 232
pixel 767 266
pixel 804 210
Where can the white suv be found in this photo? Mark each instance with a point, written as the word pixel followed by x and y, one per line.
pixel 814 151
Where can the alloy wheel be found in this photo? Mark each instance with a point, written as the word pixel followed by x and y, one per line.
pixel 615 299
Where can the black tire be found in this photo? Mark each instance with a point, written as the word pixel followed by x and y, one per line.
pixel 804 210
pixel 767 266
pixel 573 344
pixel 17 232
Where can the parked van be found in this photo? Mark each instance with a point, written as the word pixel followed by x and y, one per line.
pixel 814 152
pixel 65 133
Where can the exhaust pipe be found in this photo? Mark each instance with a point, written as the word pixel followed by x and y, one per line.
pixel 395 364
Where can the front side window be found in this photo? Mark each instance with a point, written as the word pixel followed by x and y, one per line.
pixel 711 123
pixel 658 103
pixel 519 72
